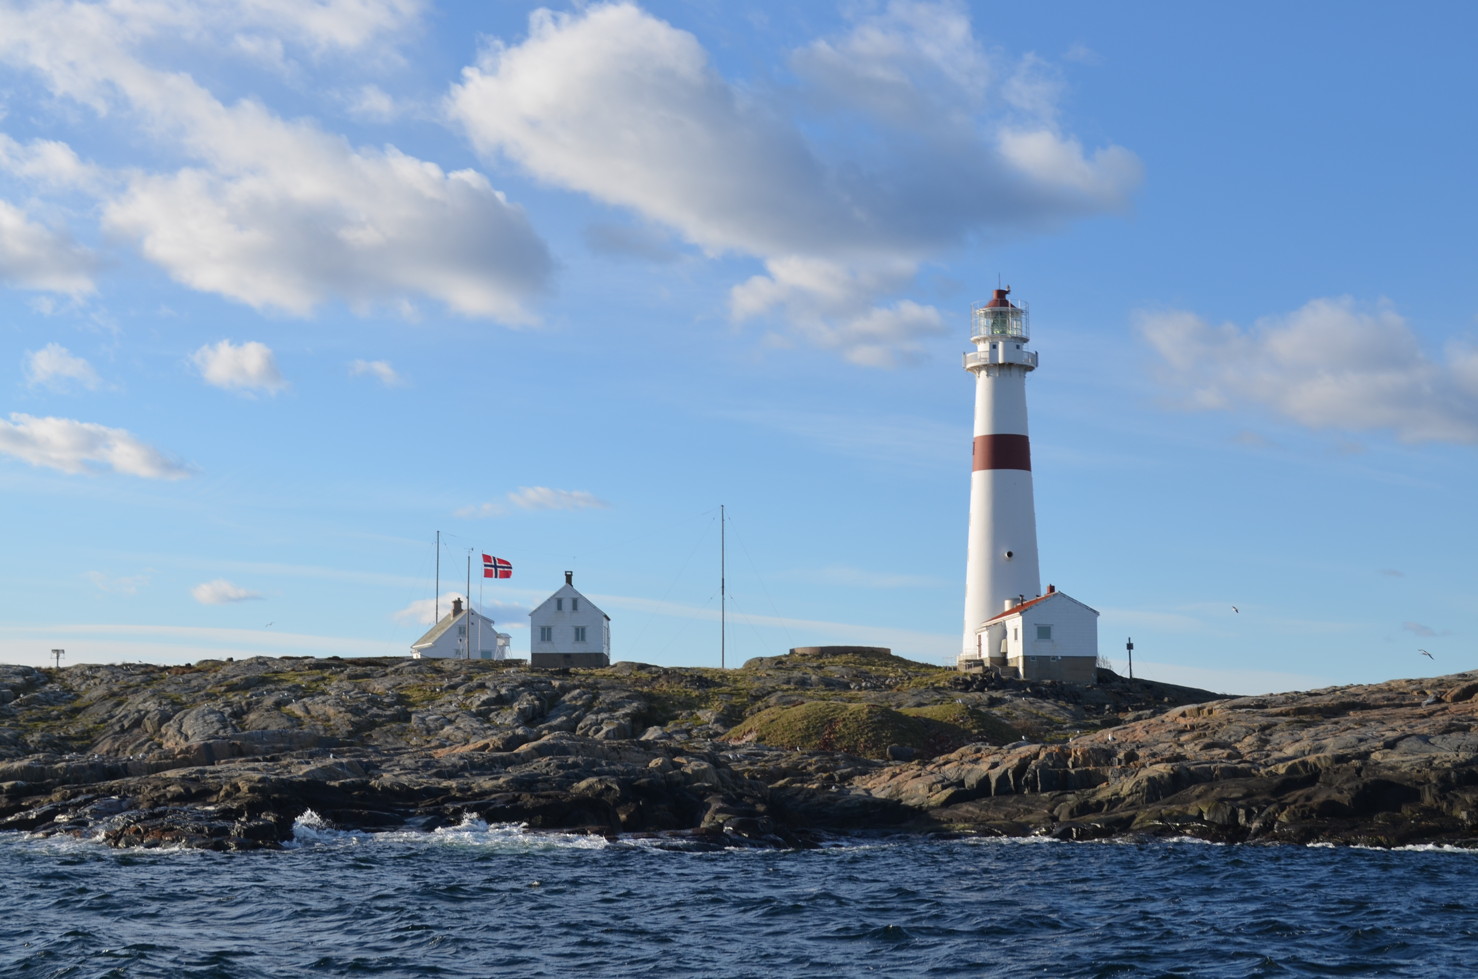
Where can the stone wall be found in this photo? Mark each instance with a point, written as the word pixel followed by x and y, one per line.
pixel 1069 669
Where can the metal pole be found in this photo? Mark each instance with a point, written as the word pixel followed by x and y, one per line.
pixel 437 597
pixel 723 626
pixel 468 629
pixel 57 655
pixel 1129 648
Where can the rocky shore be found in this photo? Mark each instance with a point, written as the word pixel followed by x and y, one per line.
pixel 782 752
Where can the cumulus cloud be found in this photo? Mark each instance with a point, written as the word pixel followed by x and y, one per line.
pixel 1332 364
pixel 221 592
pixel 380 370
pixel 247 368
pixel 84 447
pixel 35 257
pixel 46 162
pixel 57 367
pixel 275 214
pixel 916 154
pixel 536 498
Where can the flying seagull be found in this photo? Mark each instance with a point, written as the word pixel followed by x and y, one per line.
pixel 1427 654
pixel 1235 609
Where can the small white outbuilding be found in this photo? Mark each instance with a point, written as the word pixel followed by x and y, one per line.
pixel 568 630
pixel 463 633
pixel 1050 637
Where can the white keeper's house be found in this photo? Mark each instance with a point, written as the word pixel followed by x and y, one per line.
pixel 568 630
pixel 1050 637
pixel 463 633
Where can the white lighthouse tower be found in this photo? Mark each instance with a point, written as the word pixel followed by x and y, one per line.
pixel 1001 559
pixel 1009 623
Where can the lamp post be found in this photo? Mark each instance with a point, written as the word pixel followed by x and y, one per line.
pixel 57 655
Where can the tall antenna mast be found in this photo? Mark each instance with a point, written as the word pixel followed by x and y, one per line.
pixel 723 630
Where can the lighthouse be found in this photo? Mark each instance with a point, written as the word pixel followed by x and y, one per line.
pixel 1010 624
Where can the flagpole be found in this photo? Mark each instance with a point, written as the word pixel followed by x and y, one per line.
pixel 469 602
pixel 436 598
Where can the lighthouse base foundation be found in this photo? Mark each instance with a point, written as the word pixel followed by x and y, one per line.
pixel 1081 670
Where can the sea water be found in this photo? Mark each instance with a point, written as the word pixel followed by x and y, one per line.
pixel 481 900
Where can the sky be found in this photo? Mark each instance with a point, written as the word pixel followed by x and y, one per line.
pixel 288 288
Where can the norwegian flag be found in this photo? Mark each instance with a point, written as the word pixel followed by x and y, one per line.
pixel 496 567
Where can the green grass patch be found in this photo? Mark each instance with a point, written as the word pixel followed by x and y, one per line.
pixel 868 729
pixel 982 724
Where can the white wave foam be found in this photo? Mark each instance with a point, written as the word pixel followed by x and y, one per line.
pixel 312 830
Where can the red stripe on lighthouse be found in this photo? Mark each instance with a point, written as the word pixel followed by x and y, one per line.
pixel 1002 452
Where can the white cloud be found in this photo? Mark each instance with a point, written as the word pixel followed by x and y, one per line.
pixel 84 447
pixel 35 257
pixel 535 498
pixel 544 498
pixel 46 162
pixel 276 214
pixel 246 368
pixel 372 104
pixel 621 106
pixel 378 369
pixel 221 592
pixel 323 25
pixel 1331 364
pixel 117 584
pixel 423 611
pixel 507 615
pixel 55 366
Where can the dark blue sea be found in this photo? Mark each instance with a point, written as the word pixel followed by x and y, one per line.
pixel 497 901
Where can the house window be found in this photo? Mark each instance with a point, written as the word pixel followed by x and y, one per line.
pixel 574 605
pixel 546 633
pixel 579 633
pixel 1044 632
pixel 461 630
pixel 559 604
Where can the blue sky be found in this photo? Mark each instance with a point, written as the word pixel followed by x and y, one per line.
pixel 288 287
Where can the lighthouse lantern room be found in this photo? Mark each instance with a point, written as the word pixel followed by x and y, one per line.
pixel 1010 625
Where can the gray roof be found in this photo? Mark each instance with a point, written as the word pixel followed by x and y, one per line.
pixel 439 630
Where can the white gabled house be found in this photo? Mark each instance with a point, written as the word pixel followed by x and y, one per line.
pixel 568 630
pixel 1050 637
pixel 463 633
